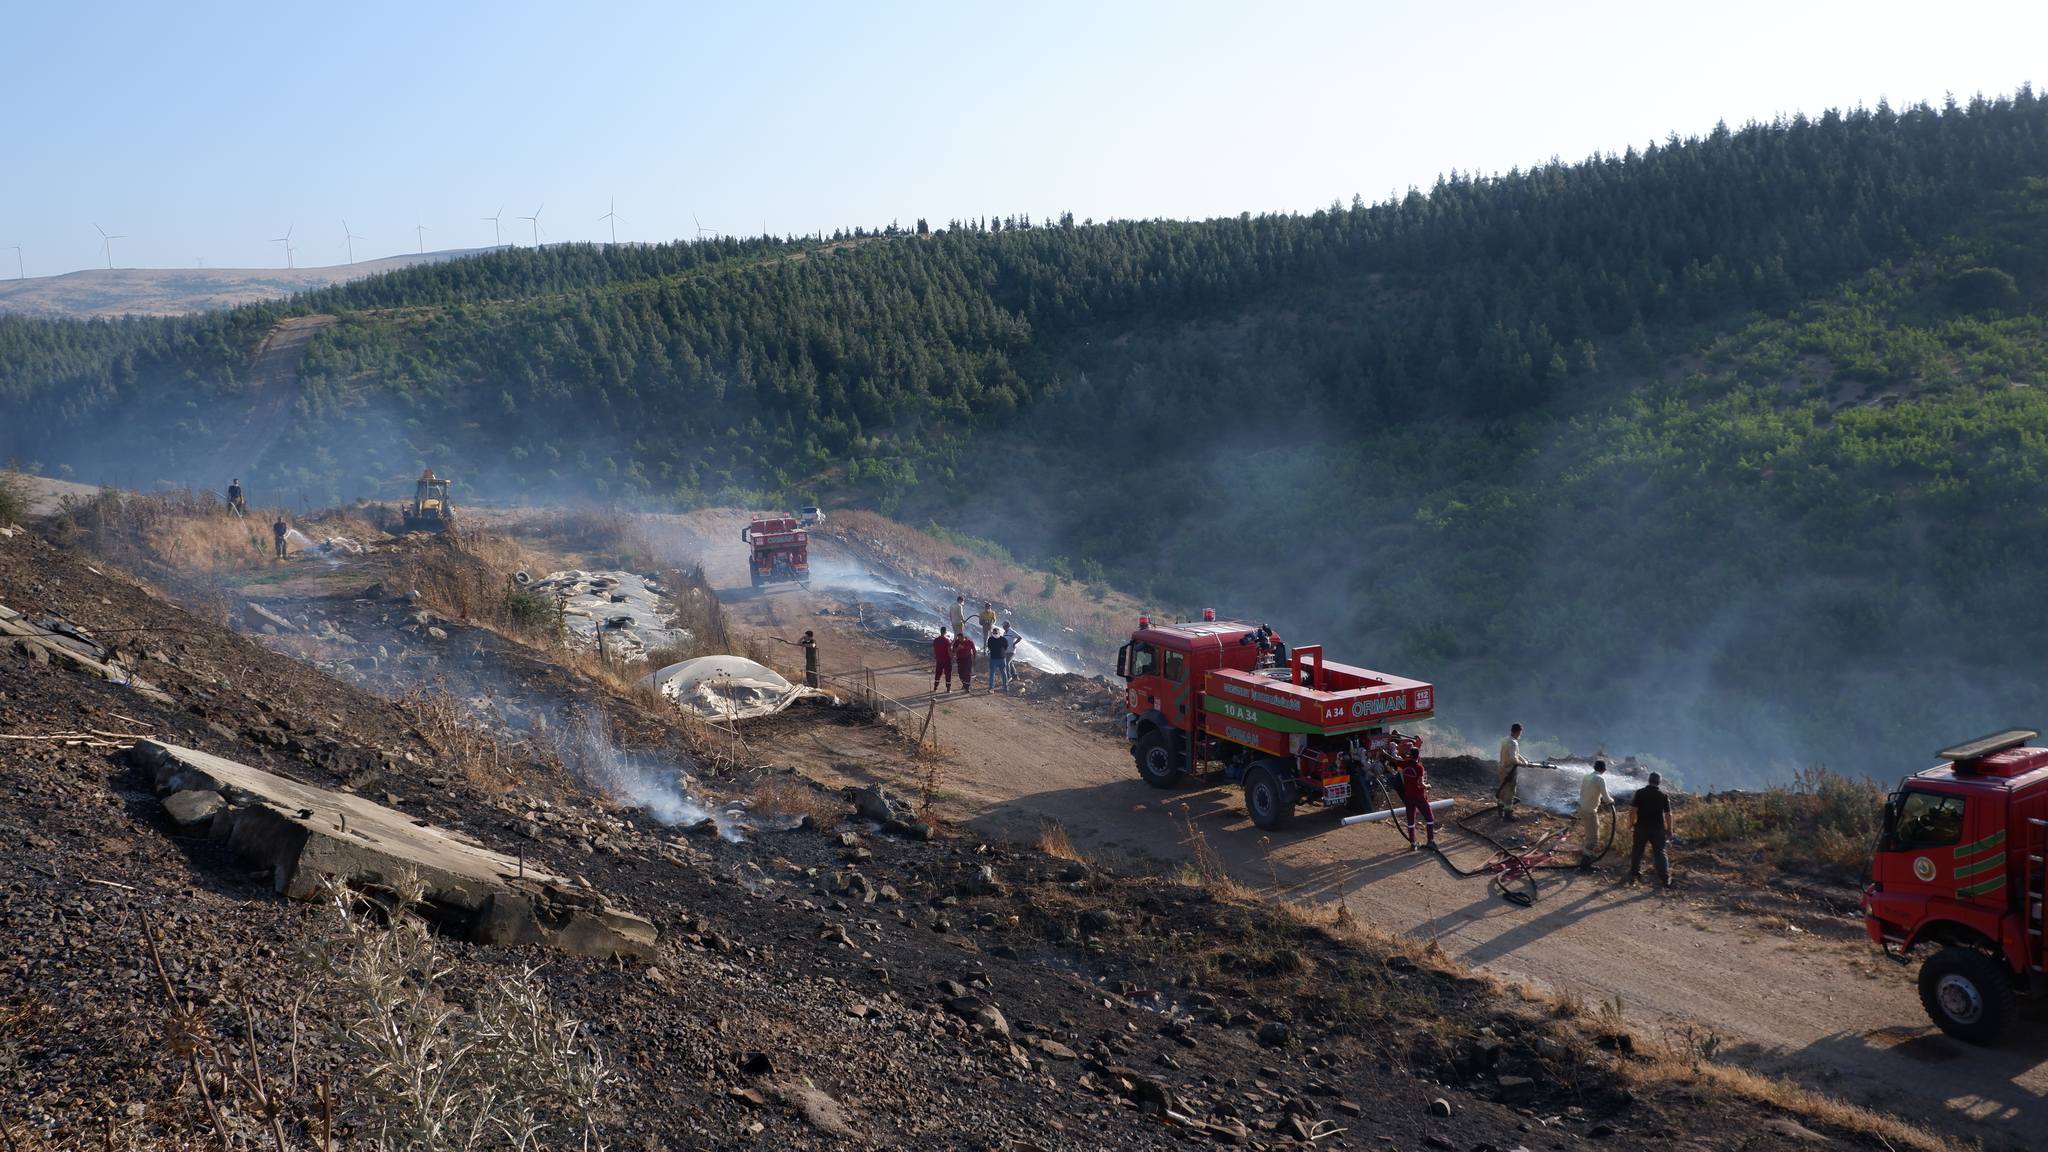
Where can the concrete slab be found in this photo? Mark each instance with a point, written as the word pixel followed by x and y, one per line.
pixel 308 835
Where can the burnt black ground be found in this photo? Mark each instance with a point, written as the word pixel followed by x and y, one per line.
pixel 1120 993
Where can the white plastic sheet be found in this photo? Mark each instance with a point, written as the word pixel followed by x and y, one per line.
pixel 726 687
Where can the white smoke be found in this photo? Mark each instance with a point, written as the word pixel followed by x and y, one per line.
pixel 658 787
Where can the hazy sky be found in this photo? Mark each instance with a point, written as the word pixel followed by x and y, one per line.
pixel 203 130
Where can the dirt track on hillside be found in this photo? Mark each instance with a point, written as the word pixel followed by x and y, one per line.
pixel 1827 1013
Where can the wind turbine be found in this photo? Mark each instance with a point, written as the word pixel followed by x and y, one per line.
pixel 420 232
pixel 108 242
pixel 19 272
pixel 285 240
pixel 535 221
pixel 613 216
pixel 351 240
pixel 701 229
pixel 497 241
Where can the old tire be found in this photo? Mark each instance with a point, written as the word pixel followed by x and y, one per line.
pixel 1967 994
pixel 1159 758
pixel 1268 798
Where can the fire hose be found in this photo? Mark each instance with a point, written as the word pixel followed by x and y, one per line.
pixel 1513 872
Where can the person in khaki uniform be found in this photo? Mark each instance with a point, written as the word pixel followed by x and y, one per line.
pixel 1593 799
pixel 1510 763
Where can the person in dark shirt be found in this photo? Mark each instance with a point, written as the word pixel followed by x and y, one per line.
pixel 998 661
pixel 1652 810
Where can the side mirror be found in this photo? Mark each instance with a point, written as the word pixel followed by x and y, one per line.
pixel 1122 655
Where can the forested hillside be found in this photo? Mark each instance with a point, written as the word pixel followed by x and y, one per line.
pixel 1727 449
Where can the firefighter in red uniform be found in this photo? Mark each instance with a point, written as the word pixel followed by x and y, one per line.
pixel 942 660
pixel 1415 791
pixel 963 659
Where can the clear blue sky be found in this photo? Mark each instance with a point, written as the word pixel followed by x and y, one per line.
pixel 203 130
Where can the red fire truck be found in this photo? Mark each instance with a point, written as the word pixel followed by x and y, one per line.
pixel 1212 698
pixel 1959 868
pixel 781 550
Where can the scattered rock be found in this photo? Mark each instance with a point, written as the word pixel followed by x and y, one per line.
pixel 978 1012
pixel 1095 921
pixel 1439 1108
pixel 261 616
pixel 1792 1129
pixel 824 1113
pixel 892 812
pixel 756 1064
pixel 1515 1089
pixel 189 808
pixel 1050 1047
pixel 1274 1034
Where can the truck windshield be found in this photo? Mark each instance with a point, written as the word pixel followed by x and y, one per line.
pixel 1144 660
pixel 1926 820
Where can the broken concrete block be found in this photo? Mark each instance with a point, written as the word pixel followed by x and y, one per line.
pixel 308 836
pixel 190 807
pixel 266 616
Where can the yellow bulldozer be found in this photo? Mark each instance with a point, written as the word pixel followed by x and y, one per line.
pixel 430 510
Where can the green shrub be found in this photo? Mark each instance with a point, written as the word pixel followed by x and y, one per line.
pixel 535 613
pixel 13 499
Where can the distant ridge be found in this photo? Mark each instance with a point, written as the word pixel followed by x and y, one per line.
pixel 180 291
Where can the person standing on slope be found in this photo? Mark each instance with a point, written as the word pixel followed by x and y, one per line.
pixel 1510 762
pixel 278 530
pixel 963 660
pixel 1593 799
pixel 959 618
pixel 942 660
pixel 988 623
pixel 237 503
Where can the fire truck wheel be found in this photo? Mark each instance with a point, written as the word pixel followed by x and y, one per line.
pixel 1967 994
pixel 1268 798
pixel 1159 759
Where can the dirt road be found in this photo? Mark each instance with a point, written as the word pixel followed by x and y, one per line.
pixel 1826 1013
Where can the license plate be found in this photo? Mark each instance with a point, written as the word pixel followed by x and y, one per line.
pixel 1336 792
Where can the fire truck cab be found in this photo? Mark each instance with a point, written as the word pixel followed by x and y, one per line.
pixel 1210 697
pixel 779 550
pixel 1959 868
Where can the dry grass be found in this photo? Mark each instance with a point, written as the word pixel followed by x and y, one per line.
pixel 1667 1067
pixel 602 537
pixel 984 577
pixel 1823 823
pixel 458 739
pixel 788 794
pixel 1054 842
pixel 183 533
